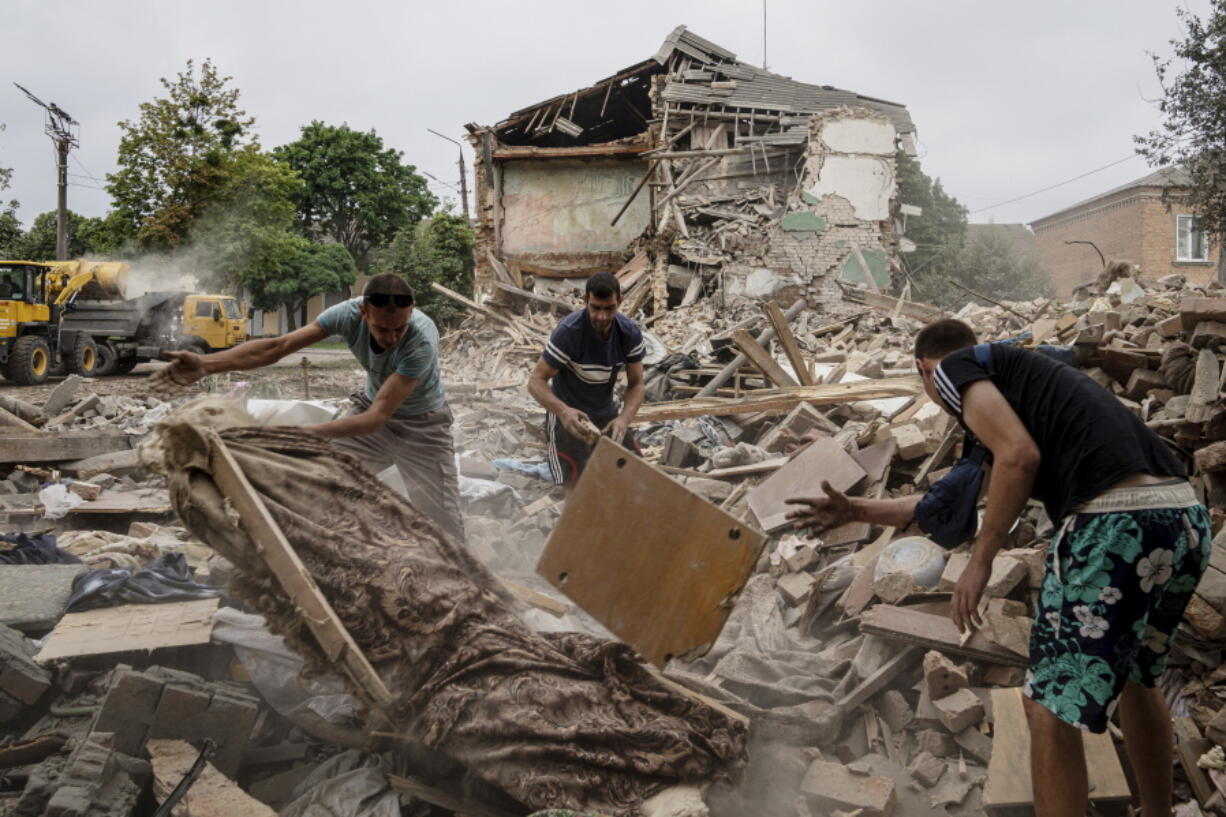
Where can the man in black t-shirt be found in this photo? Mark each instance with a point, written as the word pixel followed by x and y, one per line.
pixel 1132 541
pixel 575 376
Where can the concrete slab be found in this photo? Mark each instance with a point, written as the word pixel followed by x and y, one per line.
pixel 33 597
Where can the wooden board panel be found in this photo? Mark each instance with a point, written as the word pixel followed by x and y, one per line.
pixel 655 563
pixel 788 341
pixel 44 446
pixel 823 460
pixel 1009 786
pixel 131 627
pixel 760 357
pixel 935 632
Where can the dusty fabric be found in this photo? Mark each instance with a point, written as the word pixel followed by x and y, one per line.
pixel 423 452
pixel 558 721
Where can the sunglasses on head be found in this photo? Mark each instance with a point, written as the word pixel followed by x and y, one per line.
pixel 381 300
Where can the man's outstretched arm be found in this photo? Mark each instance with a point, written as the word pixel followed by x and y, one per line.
pixel 187 367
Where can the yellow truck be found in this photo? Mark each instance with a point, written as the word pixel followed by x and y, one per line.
pixel 71 316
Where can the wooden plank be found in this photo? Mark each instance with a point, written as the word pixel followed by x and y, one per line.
pixel 563 306
pixel 655 563
pixel 886 303
pixel 788 341
pixel 11 420
pixel 502 154
pixel 28 448
pixel 880 679
pixel 149 501
pixel 1189 746
pixel 773 464
pixel 117 463
pixel 1009 784
pixel 757 354
pixel 935 632
pixel 731 369
pixel 267 537
pixel 947 442
pixel 802 476
pixel 780 400
pixel 211 795
pixel 130 627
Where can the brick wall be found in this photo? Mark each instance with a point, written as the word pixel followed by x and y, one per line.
pixel 1135 227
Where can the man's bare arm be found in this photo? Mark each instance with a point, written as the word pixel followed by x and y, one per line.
pixel 391 395
pixel 836 508
pixel 187 367
pixel 635 391
pixel 1015 462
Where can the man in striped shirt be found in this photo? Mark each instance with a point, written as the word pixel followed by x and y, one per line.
pixel 575 375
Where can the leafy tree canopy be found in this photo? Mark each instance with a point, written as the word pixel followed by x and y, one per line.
pixel 171 158
pixel 939 233
pixel 437 249
pixel 11 234
pixel 992 264
pixel 1193 106
pixel 356 192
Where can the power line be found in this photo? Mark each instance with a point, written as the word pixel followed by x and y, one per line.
pixel 1057 184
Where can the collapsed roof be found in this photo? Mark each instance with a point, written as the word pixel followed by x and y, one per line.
pixel 620 106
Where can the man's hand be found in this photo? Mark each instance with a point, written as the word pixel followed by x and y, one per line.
pixel 822 512
pixel 616 429
pixel 964 609
pixel 578 425
pixel 184 369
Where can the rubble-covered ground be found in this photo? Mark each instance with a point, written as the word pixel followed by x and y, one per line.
pixel 862 697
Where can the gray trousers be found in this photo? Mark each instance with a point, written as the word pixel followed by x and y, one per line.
pixel 423 452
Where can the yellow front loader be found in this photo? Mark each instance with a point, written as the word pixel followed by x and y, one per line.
pixel 71 316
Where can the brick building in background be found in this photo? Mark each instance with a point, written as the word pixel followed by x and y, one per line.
pixel 1130 223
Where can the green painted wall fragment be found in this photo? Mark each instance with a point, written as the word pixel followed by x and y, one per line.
pixel 809 198
pixel 878 267
pixel 804 222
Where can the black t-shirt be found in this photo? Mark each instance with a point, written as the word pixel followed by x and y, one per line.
pixel 1088 440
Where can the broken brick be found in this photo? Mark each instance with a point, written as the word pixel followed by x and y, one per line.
pixel 833 785
pixel 959 710
pixel 927 769
pixel 942 675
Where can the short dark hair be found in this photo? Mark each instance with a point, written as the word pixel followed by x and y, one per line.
pixel 939 338
pixel 387 283
pixel 604 285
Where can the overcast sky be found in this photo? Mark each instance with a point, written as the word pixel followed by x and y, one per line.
pixel 1008 98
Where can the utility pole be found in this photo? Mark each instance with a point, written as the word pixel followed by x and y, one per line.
pixel 63 130
pixel 463 173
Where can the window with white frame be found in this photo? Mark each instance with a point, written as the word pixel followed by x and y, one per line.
pixel 1191 242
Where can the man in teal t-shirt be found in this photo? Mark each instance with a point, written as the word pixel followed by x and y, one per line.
pixel 401 418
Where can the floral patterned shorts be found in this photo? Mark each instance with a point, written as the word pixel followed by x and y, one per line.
pixel 1116 586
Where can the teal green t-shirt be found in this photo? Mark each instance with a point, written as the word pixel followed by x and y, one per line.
pixel 416 355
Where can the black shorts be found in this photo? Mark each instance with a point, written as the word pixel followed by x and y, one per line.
pixel 568 455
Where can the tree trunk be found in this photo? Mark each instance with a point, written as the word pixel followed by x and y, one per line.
pixel 291 317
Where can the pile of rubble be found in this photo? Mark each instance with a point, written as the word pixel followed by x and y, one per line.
pixel 862 696
pixel 842 643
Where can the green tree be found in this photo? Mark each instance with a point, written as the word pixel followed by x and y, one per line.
pixel 438 249
pixel 1193 105
pixel 939 233
pixel 38 244
pixel 356 192
pixel 171 159
pixel 990 263
pixel 244 237
pixel 11 234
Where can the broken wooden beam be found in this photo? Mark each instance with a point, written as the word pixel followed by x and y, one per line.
pixel 781 400
pixel 25 447
pixel 787 340
pixel 760 357
pixel 728 371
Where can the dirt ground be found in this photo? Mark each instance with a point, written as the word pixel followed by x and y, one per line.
pixel 331 373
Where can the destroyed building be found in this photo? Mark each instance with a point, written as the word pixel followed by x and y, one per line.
pixel 696 169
